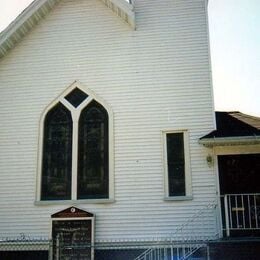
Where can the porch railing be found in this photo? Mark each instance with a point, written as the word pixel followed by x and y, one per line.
pixel 241 211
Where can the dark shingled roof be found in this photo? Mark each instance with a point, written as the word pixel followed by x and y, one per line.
pixel 234 124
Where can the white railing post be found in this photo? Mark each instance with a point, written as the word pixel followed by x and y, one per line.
pixel 208 253
pixel 226 215
pixel 57 248
pixel 51 244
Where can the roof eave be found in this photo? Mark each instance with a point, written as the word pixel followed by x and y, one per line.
pixel 122 9
pixel 38 9
pixel 228 141
pixel 16 31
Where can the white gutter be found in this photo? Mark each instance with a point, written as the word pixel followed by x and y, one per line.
pixel 224 141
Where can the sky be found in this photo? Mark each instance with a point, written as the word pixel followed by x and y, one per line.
pixel 234 27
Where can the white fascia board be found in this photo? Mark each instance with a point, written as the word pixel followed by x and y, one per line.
pixel 224 141
pixel 123 4
pixel 22 23
pixel 22 18
pixel 10 36
pixel 123 9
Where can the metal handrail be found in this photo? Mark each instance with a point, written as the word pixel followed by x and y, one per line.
pixel 186 243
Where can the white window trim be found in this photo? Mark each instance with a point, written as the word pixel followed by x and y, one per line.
pixel 188 181
pixel 75 113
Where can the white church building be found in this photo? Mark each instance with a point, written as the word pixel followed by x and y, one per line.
pixel 102 107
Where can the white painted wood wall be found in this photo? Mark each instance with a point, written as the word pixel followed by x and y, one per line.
pixel 155 78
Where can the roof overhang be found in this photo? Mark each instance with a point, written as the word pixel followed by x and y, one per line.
pixel 38 9
pixel 123 9
pixel 230 141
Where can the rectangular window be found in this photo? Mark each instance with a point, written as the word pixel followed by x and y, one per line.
pixel 177 164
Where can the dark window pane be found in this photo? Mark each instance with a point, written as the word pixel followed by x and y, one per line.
pixel 57 154
pixel 76 97
pixel 93 152
pixel 176 164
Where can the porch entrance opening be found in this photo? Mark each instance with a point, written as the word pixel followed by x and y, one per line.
pixel 239 180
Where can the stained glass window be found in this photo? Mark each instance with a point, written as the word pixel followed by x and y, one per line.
pixel 57 154
pixel 93 152
pixel 68 175
pixel 176 164
pixel 76 97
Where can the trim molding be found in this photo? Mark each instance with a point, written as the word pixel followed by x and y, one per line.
pixel 38 9
pixel 75 112
pixel 225 141
pixel 188 177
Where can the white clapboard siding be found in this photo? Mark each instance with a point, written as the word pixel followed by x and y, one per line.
pixel 155 78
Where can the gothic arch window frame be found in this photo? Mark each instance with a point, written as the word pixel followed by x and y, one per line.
pixel 75 114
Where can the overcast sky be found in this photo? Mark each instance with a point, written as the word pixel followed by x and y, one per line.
pixel 235 50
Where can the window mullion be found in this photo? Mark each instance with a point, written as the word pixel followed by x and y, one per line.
pixel 75 116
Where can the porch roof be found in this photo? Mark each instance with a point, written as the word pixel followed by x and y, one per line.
pixel 233 128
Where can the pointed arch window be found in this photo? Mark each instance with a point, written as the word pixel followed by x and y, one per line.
pixel 93 152
pixel 57 154
pixel 75 162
